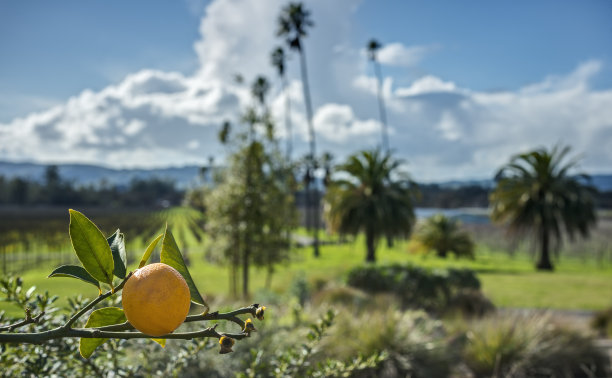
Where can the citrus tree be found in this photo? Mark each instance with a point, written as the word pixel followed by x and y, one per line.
pixel 536 195
pixel 156 297
pixel 374 196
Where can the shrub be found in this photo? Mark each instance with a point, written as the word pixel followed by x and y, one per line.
pixel 413 344
pixel 530 346
pixel 602 322
pixel 470 303
pixel 444 235
pixel 416 287
pixel 341 295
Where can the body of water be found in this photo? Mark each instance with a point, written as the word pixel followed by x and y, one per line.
pixel 465 215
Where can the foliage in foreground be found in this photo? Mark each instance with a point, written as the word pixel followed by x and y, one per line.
pixel 104 264
pixel 530 346
pixel 371 338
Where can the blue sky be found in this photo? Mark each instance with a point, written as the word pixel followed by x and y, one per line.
pixel 454 71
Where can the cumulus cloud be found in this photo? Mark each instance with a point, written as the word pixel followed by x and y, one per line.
pixel 337 123
pixel 444 131
pixel 396 54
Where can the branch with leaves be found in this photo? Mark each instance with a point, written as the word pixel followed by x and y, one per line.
pixel 103 262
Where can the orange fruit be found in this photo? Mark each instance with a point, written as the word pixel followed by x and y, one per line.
pixel 156 299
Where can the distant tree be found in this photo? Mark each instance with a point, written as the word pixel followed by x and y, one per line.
pixel 536 195
pixel 246 210
pixel 444 235
pixel 373 47
pixel 278 59
pixel 293 24
pixel 19 191
pixel 52 176
pixel 376 198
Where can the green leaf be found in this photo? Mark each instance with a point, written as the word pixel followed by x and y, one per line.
pixel 102 317
pixel 91 247
pixel 116 242
pixel 171 255
pixel 148 252
pixel 74 271
pixel 161 342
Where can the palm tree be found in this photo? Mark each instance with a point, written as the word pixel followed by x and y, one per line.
pixel 376 198
pixel 293 23
pixel 536 195
pixel 443 235
pixel 278 59
pixel 373 47
pixel 259 89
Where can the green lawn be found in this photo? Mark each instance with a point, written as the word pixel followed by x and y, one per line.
pixel 507 281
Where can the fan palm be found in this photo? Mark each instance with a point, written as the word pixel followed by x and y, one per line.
pixel 443 235
pixel 373 47
pixel 376 198
pixel 293 23
pixel 536 195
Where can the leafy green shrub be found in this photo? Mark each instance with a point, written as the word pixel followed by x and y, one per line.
pixel 602 322
pixel 416 287
pixel 469 303
pixel 530 346
pixel 341 295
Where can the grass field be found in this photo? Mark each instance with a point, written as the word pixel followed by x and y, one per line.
pixel 509 281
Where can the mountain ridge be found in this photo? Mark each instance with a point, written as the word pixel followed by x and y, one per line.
pixel 185 176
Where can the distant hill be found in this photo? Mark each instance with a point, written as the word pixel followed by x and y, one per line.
pixel 184 177
pixel 82 174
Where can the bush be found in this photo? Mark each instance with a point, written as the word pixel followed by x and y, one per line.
pixel 530 346
pixel 341 295
pixel 416 287
pixel 413 344
pixel 602 322
pixel 470 303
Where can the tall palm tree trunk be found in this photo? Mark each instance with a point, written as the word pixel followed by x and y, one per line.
pixel 544 261
pixel 381 107
pixel 288 128
pixel 312 198
pixel 371 246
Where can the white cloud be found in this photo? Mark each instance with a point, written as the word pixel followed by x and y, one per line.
pixel 154 118
pixel 337 123
pixel 426 84
pixel 396 54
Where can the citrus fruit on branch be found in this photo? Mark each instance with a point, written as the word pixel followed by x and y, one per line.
pixel 156 299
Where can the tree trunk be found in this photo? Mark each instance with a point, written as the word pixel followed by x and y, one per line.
pixel 381 107
pixel 245 271
pixel 313 198
pixel 371 247
pixel 544 262
pixel 442 253
pixel 269 273
pixel 390 241
pixel 287 119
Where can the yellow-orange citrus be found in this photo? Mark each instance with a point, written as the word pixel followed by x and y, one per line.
pixel 156 299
